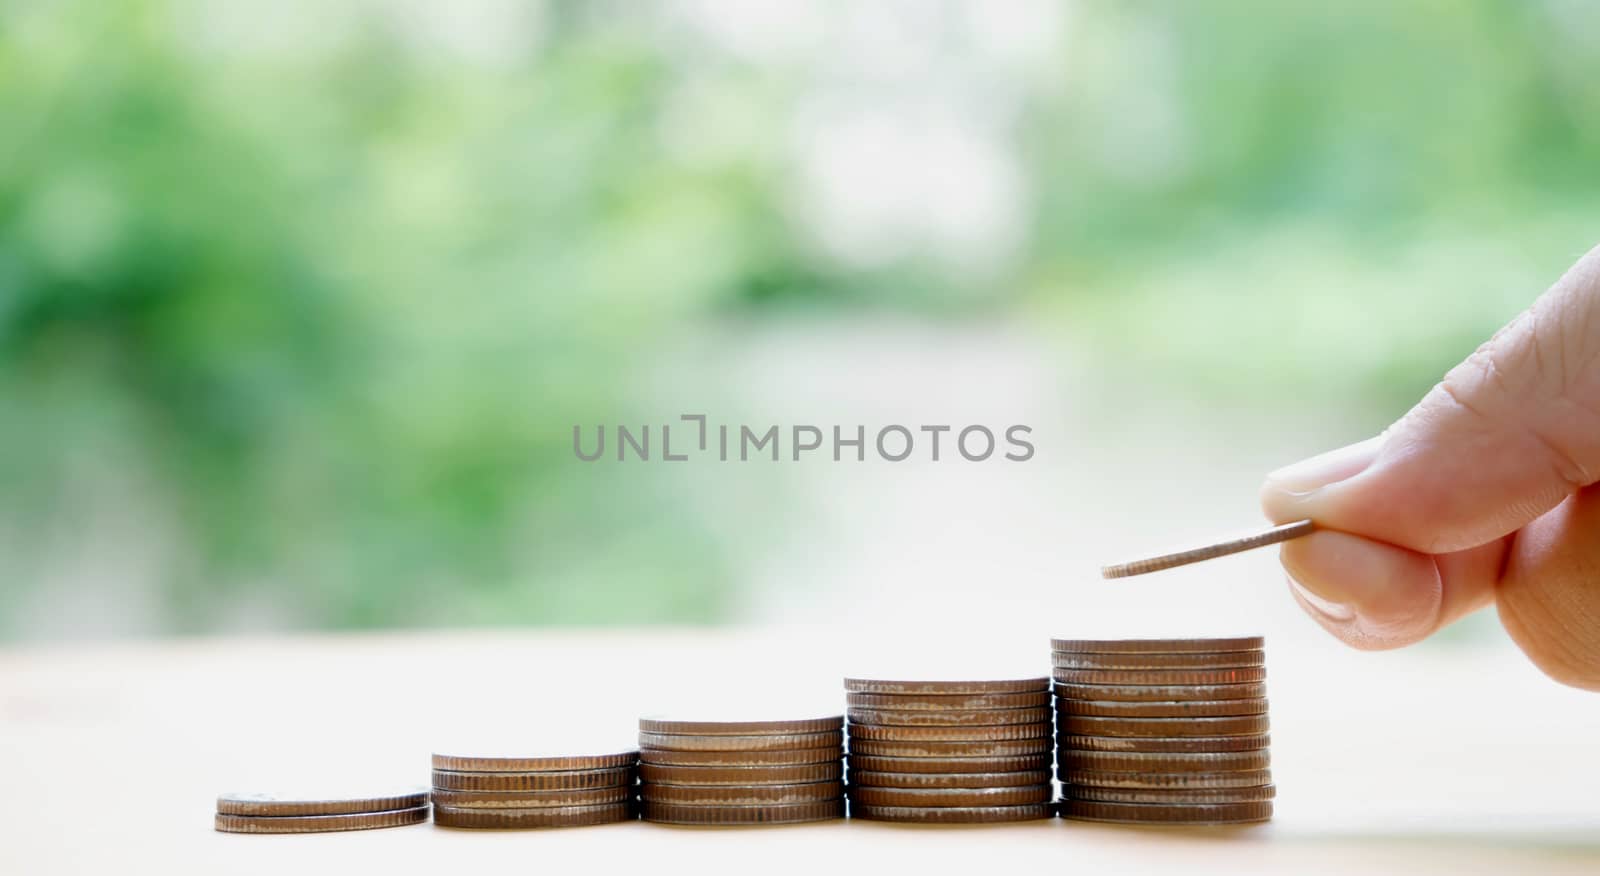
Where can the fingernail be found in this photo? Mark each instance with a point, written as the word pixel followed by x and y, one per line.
pixel 1334 611
pixel 1328 468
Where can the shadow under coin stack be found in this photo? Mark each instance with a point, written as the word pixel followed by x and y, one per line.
pixel 1163 731
pixel 264 813
pixel 949 752
pixel 725 773
pixel 509 793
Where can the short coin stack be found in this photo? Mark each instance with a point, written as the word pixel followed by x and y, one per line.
pixel 1163 731
pixel 265 813
pixel 523 792
pixel 723 773
pixel 949 752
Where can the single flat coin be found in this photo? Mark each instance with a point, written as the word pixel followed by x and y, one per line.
pixel 936 748
pixel 272 804
pixel 565 763
pixel 977 733
pixel 906 702
pixel 1200 762
pixel 952 814
pixel 1206 660
pixel 949 717
pixel 319 823
pixel 1275 535
pixel 522 819
pixel 1142 813
pixel 551 781
pixel 867 778
pixel 762 742
pixel 879 686
pixel 1001 796
pixel 1157 646
pixel 741 728
pixel 1231 779
pixel 1163 677
pixel 712 776
pixel 753 795
pixel 782 757
pixel 532 799
pixel 959 765
pixel 1165 728
pixel 728 816
pixel 1200 796
pixel 1162 708
pixel 1131 693
pixel 1068 741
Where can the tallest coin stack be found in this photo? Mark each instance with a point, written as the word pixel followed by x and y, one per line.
pixel 1162 731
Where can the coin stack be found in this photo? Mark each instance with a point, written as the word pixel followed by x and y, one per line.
pixel 522 792
pixel 721 773
pixel 266 813
pixel 949 752
pixel 1163 731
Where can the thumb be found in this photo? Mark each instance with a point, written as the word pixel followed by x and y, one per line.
pixel 1415 521
pixel 1505 437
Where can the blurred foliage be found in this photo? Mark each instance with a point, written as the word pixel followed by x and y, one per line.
pixel 323 301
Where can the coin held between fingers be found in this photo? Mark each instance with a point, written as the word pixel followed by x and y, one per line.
pixel 1275 535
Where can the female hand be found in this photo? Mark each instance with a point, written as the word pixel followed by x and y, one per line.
pixel 1485 492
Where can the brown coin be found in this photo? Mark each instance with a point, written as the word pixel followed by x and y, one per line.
pixel 518 819
pixel 948 701
pixel 272 805
pixel 1160 693
pixel 878 686
pixel 1172 795
pixel 1182 744
pixel 741 728
pixel 1000 796
pixel 1199 660
pixel 1239 675
pixel 949 717
pixel 1203 762
pixel 552 781
pixel 1157 646
pixel 753 795
pixel 867 778
pixel 1231 779
pixel 1276 534
pixel 1142 813
pixel 978 733
pixel 949 748
pixel 1165 728
pixel 566 763
pixel 952 814
pixel 1162 708
pixel 319 823
pixel 782 757
pixel 1014 764
pixel 764 742
pixel 532 799
pixel 790 813
pixel 702 776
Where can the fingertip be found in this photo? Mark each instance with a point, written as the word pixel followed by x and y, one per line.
pixel 1369 594
pixel 1292 492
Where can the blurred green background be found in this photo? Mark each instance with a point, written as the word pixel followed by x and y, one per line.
pixel 299 302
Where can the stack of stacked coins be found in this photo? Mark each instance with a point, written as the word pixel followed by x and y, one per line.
pixel 949 752
pixel 719 773
pixel 266 813
pixel 1166 731
pixel 524 792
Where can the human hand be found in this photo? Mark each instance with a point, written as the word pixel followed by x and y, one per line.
pixel 1486 491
